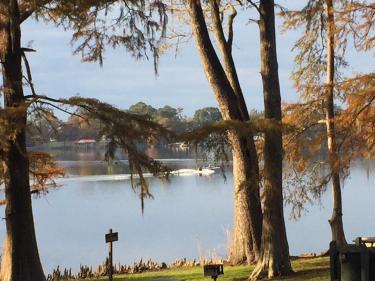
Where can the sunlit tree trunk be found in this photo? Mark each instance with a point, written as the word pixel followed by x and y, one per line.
pixel 274 259
pixel 20 258
pixel 247 207
pixel 336 223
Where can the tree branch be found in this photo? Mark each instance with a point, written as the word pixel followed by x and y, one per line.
pixel 225 49
pixel 63 110
pixel 26 10
pixel 230 27
pixel 29 78
pixel 218 28
pixel 356 115
pixel 42 97
pixel 25 15
pixel 255 6
pixel 50 101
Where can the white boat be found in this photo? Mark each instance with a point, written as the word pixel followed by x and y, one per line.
pixel 190 172
pixel 121 177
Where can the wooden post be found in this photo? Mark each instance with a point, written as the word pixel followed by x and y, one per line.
pixel 110 258
pixel 110 238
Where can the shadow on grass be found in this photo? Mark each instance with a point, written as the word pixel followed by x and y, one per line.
pixel 308 270
pixel 182 276
pixel 308 274
pixel 321 274
pixel 321 264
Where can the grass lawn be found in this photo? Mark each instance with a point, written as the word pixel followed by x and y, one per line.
pixel 315 269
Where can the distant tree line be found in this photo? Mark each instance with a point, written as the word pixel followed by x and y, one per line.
pixel 43 128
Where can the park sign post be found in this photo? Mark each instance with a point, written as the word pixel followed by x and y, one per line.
pixel 110 238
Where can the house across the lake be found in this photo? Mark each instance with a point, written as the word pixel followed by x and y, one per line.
pixel 85 143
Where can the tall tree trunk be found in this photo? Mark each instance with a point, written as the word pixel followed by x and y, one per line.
pixel 274 260
pixel 336 223
pixel 20 259
pixel 247 206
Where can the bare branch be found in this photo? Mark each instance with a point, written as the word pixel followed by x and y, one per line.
pixel 255 6
pixel 28 71
pixel 63 110
pixel 230 27
pixel 51 102
pixel 229 67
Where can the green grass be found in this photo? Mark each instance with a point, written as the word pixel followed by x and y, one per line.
pixel 315 269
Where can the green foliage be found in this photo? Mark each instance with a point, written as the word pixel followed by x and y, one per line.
pixel 170 113
pixel 141 108
pixel 172 118
pixel 165 112
pixel 207 116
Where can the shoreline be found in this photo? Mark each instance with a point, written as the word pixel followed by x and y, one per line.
pixel 148 267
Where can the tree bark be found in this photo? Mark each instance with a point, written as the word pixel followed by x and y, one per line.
pixel 335 222
pixel 247 206
pixel 228 62
pixel 20 259
pixel 274 259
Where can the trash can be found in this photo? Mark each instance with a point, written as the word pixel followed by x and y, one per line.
pixel 353 262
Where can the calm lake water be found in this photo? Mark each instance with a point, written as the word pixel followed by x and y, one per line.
pixel 188 217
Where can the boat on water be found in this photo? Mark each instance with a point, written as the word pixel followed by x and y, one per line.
pixel 202 171
pixel 190 172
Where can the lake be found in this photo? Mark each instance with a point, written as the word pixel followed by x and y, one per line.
pixel 189 216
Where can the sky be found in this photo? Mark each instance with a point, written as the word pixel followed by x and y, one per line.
pixel 123 81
